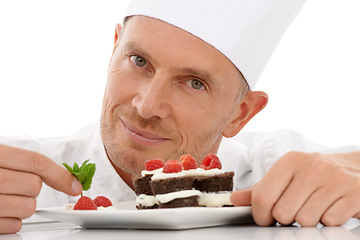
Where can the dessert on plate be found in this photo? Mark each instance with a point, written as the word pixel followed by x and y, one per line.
pixel 183 183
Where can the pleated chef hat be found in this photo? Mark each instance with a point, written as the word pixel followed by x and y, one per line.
pixel 245 31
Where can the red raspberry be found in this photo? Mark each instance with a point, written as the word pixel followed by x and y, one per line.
pixel 172 166
pixel 85 203
pixel 188 162
pixel 153 164
pixel 210 161
pixel 102 201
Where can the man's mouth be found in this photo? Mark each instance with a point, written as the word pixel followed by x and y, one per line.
pixel 142 136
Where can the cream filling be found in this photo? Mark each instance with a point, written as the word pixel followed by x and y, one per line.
pixel 146 200
pixel 199 172
pixel 144 172
pixel 218 199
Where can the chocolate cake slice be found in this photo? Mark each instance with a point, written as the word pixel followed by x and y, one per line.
pixel 184 186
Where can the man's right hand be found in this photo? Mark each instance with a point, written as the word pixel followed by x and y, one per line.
pixel 21 175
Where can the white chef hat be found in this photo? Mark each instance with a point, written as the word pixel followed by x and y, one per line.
pixel 245 31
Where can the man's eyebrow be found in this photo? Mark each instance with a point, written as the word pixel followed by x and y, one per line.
pixel 200 73
pixel 131 47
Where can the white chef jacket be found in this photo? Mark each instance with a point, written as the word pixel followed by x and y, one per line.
pixel 249 155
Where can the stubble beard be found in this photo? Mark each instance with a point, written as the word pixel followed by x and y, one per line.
pixel 133 162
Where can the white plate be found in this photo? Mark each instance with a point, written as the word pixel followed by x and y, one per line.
pixel 127 216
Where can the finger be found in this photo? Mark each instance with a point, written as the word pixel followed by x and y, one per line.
pixel 241 198
pixel 289 203
pixel 309 215
pixel 357 215
pixel 268 191
pixel 51 173
pixel 17 206
pixel 322 199
pixel 10 225
pixel 342 210
pixel 19 183
pixel 300 192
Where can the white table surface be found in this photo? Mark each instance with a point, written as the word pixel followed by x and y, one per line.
pixel 57 231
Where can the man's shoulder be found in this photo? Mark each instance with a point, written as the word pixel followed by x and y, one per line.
pixel 54 145
pixel 255 138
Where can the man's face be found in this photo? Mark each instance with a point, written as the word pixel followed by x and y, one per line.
pixel 168 93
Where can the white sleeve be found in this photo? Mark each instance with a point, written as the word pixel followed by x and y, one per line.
pixel 45 146
pixel 266 148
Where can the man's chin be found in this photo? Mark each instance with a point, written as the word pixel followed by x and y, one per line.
pixel 133 168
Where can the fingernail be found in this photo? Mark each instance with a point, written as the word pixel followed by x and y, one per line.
pixel 76 186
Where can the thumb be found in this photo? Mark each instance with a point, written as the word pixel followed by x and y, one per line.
pixel 55 176
pixel 241 198
pixel 64 182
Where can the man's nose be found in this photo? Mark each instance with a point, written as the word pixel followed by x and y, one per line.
pixel 153 98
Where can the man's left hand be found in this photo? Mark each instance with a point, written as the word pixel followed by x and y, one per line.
pixel 306 188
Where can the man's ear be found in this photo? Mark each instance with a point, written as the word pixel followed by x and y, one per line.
pixel 118 29
pixel 248 107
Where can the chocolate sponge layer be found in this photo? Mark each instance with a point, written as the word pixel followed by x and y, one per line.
pixel 181 202
pixel 142 185
pixel 171 185
pixel 217 183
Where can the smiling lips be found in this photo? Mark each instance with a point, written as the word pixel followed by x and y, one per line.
pixel 141 136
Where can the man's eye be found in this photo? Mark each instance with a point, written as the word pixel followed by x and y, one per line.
pixel 196 84
pixel 138 61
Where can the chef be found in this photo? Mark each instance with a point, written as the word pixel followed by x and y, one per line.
pixel 181 80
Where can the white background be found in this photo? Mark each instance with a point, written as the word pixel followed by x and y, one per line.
pixel 54 57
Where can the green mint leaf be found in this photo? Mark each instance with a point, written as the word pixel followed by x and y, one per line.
pixel 76 168
pixel 83 165
pixel 68 167
pixel 84 173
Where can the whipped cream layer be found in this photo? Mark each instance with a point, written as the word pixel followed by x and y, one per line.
pixel 146 200
pixel 199 172
pixel 145 172
pixel 218 199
